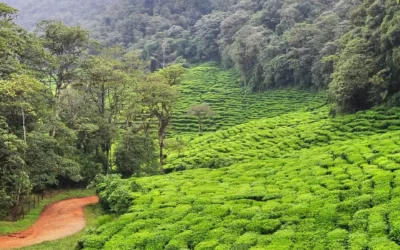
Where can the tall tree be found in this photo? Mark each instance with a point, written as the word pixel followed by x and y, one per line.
pixel 156 97
pixel 21 97
pixel 106 83
pixel 65 46
pixel 14 179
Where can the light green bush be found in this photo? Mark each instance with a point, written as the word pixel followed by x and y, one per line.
pixel 283 177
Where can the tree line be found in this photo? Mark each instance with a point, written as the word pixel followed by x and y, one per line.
pixel 348 47
pixel 71 108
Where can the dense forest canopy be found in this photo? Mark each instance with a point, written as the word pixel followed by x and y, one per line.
pixel 314 44
pixel 272 44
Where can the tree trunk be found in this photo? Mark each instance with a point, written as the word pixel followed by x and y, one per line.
pixel 161 138
pixel 163 122
pixel 161 144
pixel 200 126
pixel 108 161
pixel 103 101
pixel 57 114
pixel 23 123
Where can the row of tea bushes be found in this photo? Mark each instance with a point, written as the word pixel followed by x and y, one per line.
pixel 300 180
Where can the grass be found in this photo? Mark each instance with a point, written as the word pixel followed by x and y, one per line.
pixel 33 215
pixel 70 242
pixel 289 177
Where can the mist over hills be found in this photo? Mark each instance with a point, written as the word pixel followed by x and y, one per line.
pixel 71 12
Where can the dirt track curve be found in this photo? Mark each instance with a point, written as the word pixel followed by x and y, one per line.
pixel 57 221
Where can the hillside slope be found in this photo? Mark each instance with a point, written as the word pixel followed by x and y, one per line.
pixel 343 194
pixel 293 180
pixel 221 89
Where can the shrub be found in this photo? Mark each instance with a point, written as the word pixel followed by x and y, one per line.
pixel 358 241
pixel 136 155
pixel 207 245
pixel 246 241
pixel 264 226
pixel 94 241
pixel 394 220
pixel 337 239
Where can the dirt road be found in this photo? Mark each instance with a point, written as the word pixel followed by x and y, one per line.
pixel 57 221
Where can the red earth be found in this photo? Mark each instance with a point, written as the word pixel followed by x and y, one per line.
pixel 57 221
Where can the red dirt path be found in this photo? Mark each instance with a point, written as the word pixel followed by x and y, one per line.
pixel 57 221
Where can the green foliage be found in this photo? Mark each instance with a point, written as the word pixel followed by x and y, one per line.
pixel 221 90
pixel 351 82
pixel 294 180
pixel 273 171
pixel 136 156
pixel 348 47
pixel 14 180
pixel 66 97
pixel 270 43
pixel 116 196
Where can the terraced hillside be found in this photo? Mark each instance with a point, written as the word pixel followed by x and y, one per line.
pixel 221 90
pixel 280 136
pixel 294 180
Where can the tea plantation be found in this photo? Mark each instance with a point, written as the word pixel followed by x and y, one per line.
pixel 233 106
pixel 277 173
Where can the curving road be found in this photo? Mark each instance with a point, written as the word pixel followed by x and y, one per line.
pixel 57 221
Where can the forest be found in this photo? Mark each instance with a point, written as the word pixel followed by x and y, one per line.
pixel 65 99
pixel 311 44
pixel 318 45
pixel 215 124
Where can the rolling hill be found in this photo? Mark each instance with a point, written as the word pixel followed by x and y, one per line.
pixel 286 177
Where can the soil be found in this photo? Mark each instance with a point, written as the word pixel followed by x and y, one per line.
pixel 57 221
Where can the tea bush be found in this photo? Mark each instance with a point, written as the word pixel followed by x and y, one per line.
pixel 292 179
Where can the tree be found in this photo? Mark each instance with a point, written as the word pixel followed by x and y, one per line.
pixel 64 46
pixel 14 179
pixel 61 59
pixel 48 162
pixel 7 13
pixel 21 99
pixel 202 112
pixel 206 36
pixel 14 42
pixel 245 53
pixel 351 85
pixel 136 155
pixel 156 97
pixel 106 83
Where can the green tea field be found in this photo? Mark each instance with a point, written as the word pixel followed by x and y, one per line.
pixel 284 175
pixel 233 106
